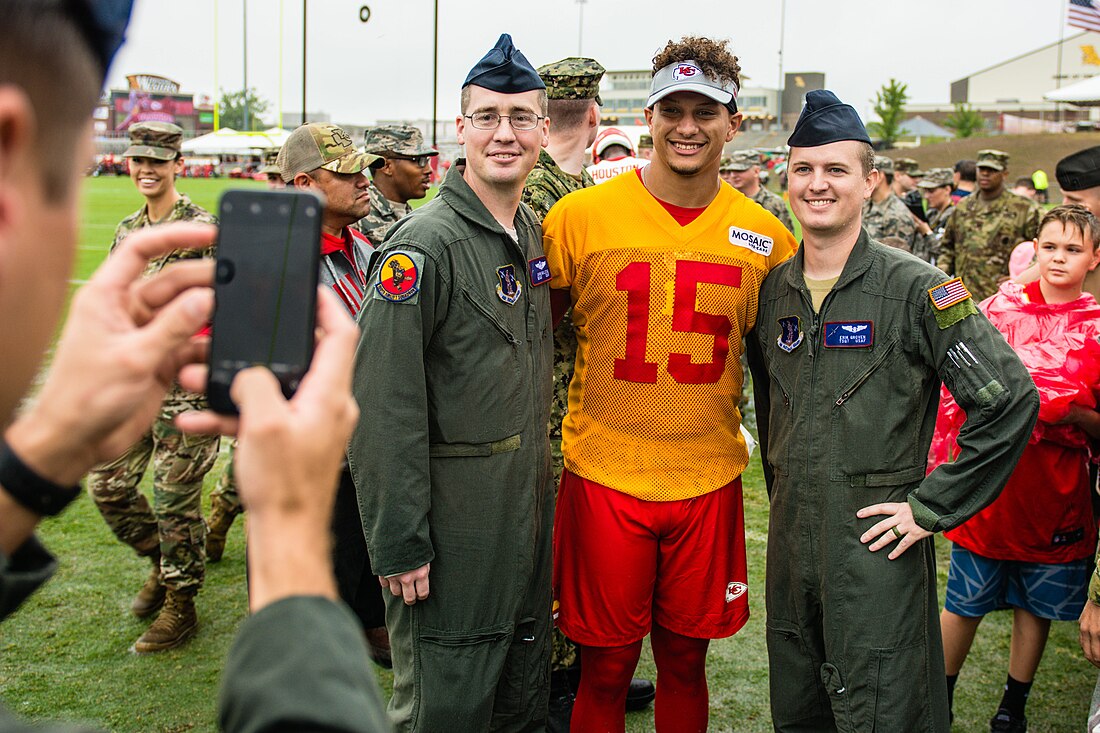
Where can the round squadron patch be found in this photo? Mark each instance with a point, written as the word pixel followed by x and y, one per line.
pixel 398 278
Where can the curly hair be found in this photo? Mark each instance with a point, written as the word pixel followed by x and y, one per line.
pixel 713 57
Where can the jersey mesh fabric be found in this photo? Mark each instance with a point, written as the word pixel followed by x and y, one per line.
pixel 660 311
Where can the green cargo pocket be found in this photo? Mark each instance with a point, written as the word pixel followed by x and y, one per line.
pixel 464 450
pixel 456 675
pixel 839 697
pixel 795 692
pixel 901 697
pixel 520 679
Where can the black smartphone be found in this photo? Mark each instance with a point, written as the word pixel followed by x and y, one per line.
pixel 265 289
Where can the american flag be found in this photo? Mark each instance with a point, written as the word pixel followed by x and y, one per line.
pixel 1084 14
pixel 951 292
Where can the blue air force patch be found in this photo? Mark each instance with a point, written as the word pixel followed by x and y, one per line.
pixel 509 288
pixel 849 334
pixel 538 270
pixel 790 333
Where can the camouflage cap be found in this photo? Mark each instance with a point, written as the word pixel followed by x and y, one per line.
pixel 645 141
pixel 396 140
pixel 995 159
pixel 938 177
pixel 884 164
pixel 316 145
pixel 156 140
pixel 742 160
pixel 906 165
pixel 573 78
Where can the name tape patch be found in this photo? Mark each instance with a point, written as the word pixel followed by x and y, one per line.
pixel 538 270
pixel 849 334
pixel 752 241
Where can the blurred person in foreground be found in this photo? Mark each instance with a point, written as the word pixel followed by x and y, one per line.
pixel 125 338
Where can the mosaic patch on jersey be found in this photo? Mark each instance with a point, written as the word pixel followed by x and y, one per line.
pixel 751 241
pixel 790 333
pixel 849 334
pixel 948 294
pixel 398 279
pixel 509 288
pixel 538 271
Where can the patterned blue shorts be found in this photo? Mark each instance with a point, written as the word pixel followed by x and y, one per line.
pixel 977 585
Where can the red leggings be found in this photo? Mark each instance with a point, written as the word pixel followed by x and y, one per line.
pixel 682 700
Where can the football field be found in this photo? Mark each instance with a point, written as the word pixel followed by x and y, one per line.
pixel 65 653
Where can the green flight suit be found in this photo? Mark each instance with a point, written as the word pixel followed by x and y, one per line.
pixel 451 461
pixel 853 637
pixel 297 665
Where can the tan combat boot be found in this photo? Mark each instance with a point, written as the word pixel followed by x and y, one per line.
pixel 151 596
pixel 221 520
pixel 176 624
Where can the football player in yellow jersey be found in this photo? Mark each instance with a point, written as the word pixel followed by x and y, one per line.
pixel 662 267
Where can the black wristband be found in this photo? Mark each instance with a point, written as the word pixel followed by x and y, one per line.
pixel 29 489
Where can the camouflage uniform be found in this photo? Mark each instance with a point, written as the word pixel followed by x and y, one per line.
pixel 742 160
pixel 980 235
pixel 889 218
pixel 383 214
pixel 174 525
pixel 927 246
pixel 776 205
pixel 387 141
pixel 570 78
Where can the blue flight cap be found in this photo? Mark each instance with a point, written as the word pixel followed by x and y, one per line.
pixel 825 119
pixel 504 69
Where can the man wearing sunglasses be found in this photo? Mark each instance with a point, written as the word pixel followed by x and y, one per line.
pixel 406 176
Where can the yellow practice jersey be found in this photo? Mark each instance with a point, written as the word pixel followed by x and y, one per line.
pixel 660 310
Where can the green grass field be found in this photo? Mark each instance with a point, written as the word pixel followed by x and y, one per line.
pixel 65 653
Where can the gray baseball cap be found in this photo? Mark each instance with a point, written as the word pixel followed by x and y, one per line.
pixel 688 76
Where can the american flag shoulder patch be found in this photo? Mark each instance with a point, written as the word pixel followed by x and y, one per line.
pixel 948 294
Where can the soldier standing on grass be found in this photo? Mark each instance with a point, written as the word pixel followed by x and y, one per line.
pixel 405 176
pixel 742 171
pixel 986 227
pixel 171 533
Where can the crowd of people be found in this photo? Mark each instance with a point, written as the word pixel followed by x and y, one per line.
pixel 527 458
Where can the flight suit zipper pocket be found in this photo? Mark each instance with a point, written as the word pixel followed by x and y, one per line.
pixel 851 390
pixel 480 308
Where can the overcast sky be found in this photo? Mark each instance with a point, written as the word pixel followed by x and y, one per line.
pixel 360 72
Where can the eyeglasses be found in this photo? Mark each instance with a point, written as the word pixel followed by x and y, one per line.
pixel 491 120
pixel 420 161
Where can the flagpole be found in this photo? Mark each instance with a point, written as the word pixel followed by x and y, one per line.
pixel 1062 17
pixel 217 99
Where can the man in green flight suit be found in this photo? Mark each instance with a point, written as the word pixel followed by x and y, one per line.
pixel 451 460
pixel 986 227
pixel 851 343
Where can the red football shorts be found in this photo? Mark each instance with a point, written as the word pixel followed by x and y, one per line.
pixel 621 564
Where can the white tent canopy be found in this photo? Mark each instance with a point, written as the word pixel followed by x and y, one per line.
pixel 1084 93
pixel 228 141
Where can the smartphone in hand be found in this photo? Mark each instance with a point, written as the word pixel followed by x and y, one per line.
pixel 265 289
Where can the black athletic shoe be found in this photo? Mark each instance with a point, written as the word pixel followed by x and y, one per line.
pixel 1006 722
pixel 640 694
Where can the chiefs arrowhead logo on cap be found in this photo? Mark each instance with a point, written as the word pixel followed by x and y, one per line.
pixel 685 71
